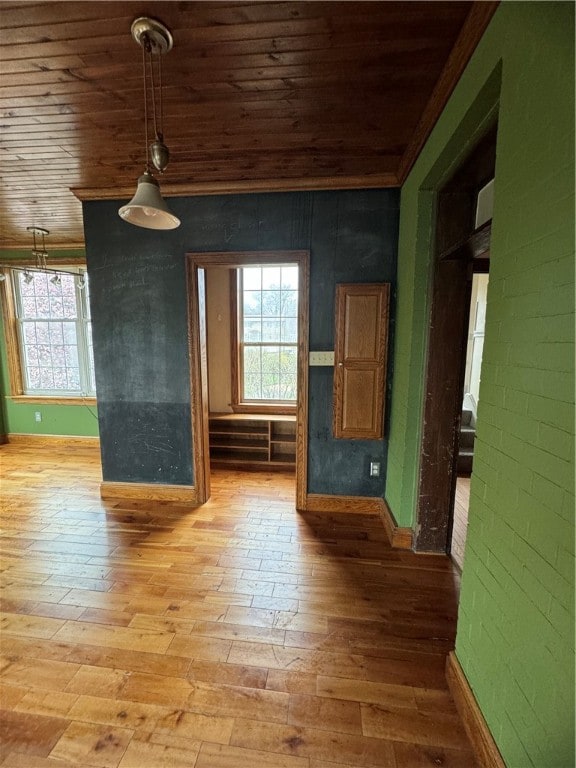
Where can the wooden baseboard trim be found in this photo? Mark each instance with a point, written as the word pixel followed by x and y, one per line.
pixel 32 440
pixel 149 492
pixel 483 743
pixel 363 505
pixel 400 538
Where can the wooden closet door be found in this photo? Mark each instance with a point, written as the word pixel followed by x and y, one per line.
pixel 360 359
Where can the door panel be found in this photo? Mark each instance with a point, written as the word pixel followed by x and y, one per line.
pixel 361 337
pixel 360 401
pixel 360 360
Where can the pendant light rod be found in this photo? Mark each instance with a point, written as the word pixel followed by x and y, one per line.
pixel 153 92
pixel 145 108
pixel 160 93
pixel 155 40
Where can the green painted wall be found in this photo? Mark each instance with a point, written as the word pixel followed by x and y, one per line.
pixel 56 419
pixel 515 636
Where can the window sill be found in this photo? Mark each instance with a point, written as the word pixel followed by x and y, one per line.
pixel 275 408
pixel 51 400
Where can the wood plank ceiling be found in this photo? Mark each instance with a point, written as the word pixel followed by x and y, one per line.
pixel 258 96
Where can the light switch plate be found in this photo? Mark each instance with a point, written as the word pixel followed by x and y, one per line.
pixel 321 358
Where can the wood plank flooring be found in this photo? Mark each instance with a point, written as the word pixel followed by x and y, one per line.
pixel 239 633
pixel 460 526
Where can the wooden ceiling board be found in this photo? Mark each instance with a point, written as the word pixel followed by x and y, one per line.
pixel 258 95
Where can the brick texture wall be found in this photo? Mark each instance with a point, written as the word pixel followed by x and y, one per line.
pixel 515 637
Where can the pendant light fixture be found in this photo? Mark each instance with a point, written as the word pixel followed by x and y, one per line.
pixel 39 253
pixel 41 264
pixel 147 208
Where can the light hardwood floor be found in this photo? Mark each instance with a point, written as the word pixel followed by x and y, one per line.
pixel 239 633
pixel 460 526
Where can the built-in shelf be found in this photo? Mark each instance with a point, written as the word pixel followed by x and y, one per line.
pixel 252 441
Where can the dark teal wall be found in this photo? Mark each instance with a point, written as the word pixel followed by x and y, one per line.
pixel 139 307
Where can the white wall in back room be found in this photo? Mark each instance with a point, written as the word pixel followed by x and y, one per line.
pixel 218 339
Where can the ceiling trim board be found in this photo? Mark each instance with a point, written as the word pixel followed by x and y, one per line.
pixel 196 189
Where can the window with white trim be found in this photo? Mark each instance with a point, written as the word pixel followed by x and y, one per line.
pixel 268 333
pixel 54 333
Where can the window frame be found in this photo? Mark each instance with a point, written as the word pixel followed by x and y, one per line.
pixel 238 404
pixel 11 324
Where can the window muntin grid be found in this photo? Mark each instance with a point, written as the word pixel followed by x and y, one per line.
pixel 54 334
pixel 268 333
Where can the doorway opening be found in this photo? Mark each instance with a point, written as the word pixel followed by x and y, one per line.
pixel 248 325
pixel 467 431
pixel 472 375
pixel 462 251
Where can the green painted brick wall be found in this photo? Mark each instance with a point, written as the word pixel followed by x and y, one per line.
pixel 77 420
pixel 515 638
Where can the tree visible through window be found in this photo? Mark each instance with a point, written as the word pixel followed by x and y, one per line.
pixel 54 333
pixel 268 326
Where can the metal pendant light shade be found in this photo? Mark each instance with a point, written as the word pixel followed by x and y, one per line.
pixel 147 208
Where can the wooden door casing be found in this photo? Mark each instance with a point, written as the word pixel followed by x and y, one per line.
pixel 197 262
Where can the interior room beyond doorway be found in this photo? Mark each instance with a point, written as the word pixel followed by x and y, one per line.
pixel 252 353
pixel 471 397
